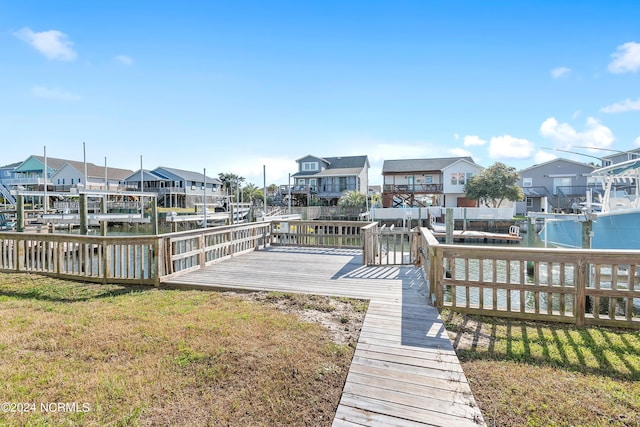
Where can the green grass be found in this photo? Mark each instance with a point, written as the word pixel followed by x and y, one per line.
pixel 162 357
pixel 539 374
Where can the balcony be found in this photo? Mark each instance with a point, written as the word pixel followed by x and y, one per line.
pixel 413 188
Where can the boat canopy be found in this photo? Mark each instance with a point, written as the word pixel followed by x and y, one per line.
pixel 629 168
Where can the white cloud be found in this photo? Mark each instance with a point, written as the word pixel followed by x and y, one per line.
pixel 637 141
pixel 54 93
pixel 556 73
pixel 620 107
pixel 509 147
pixel 576 114
pixel 596 135
pixel 52 44
pixel 470 140
pixel 460 152
pixel 124 59
pixel 544 156
pixel 626 58
pixel 456 136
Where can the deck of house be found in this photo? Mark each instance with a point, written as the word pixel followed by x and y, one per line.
pixel 404 371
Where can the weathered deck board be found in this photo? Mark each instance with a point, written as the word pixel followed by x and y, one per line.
pixel 404 371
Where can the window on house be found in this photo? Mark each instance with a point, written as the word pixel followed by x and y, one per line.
pixel 527 182
pixel 562 184
pixel 300 181
pixel 454 179
pixel 529 201
pixel 469 175
pixel 343 183
pixel 428 180
pixel 461 180
pixel 309 166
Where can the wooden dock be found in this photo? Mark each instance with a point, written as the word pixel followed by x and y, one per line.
pixel 404 371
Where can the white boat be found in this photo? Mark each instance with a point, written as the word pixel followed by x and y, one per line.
pixel 616 221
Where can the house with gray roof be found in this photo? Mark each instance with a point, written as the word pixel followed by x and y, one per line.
pixel 177 188
pixel 326 178
pixel 558 185
pixel 427 182
pixel 63 174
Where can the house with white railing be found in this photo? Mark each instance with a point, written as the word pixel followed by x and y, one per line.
pixel 427 182
pixel 62 175
pixel 178 188
pixel 326 178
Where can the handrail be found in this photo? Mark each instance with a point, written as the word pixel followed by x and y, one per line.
pixel 581 286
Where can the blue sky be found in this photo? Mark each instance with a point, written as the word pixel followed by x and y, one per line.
pixel 231 86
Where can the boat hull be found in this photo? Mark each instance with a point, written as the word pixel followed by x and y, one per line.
pixel 611 230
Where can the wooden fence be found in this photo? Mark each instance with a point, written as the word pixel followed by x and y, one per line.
pixel 585 287
pixel 334 234
pixel 561 285
pixel 120 259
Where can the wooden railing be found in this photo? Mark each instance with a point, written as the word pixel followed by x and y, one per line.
pixel 577 286
pixel 119 259
pixel 191 250
pixel 334 234
pixel 127 259
pixel 585 287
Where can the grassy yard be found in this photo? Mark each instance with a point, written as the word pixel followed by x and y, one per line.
pixel 536 374
pixel 114 355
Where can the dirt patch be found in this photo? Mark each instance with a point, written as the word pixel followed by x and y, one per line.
pixel 342 317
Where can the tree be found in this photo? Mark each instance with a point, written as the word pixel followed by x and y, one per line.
pixel 493 185
pixel 352 199
pixel 253 194
pixel 230 181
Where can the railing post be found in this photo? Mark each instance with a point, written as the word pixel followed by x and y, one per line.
pixel 581 291
pixel 157 260
pixel 106 261
pixel 202 256
pixel 436 277
pixel 339 236
pixel 19 254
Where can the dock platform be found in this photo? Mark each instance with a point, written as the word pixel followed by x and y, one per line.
pixel 405 371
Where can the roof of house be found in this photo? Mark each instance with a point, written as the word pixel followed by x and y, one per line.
pixel 420 165
pixel 93 171
pixel 186 175
pixel 559 159
pixel 11 166
pixel 337 166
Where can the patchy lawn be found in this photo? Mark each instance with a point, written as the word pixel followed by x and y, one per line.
pixel 538 374
pixel 114 355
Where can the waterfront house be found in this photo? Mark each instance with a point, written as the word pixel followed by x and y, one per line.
pixel 427 182
pixel 558 185
pixel 7 174
pixel 620 157
pixel 178 188
pixel 71 175
pixel 62 175
pixel 326 178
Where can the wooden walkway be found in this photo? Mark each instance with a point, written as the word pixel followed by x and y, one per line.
pixel 404 371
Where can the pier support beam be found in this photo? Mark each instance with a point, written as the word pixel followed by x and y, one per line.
pixel 154 216
pixel 449 222
pixel 20 213
pixel 587 226
pixel 84 214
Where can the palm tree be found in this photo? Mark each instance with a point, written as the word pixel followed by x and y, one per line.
pixel 253 194
pixel 352 199
pixel 231 181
